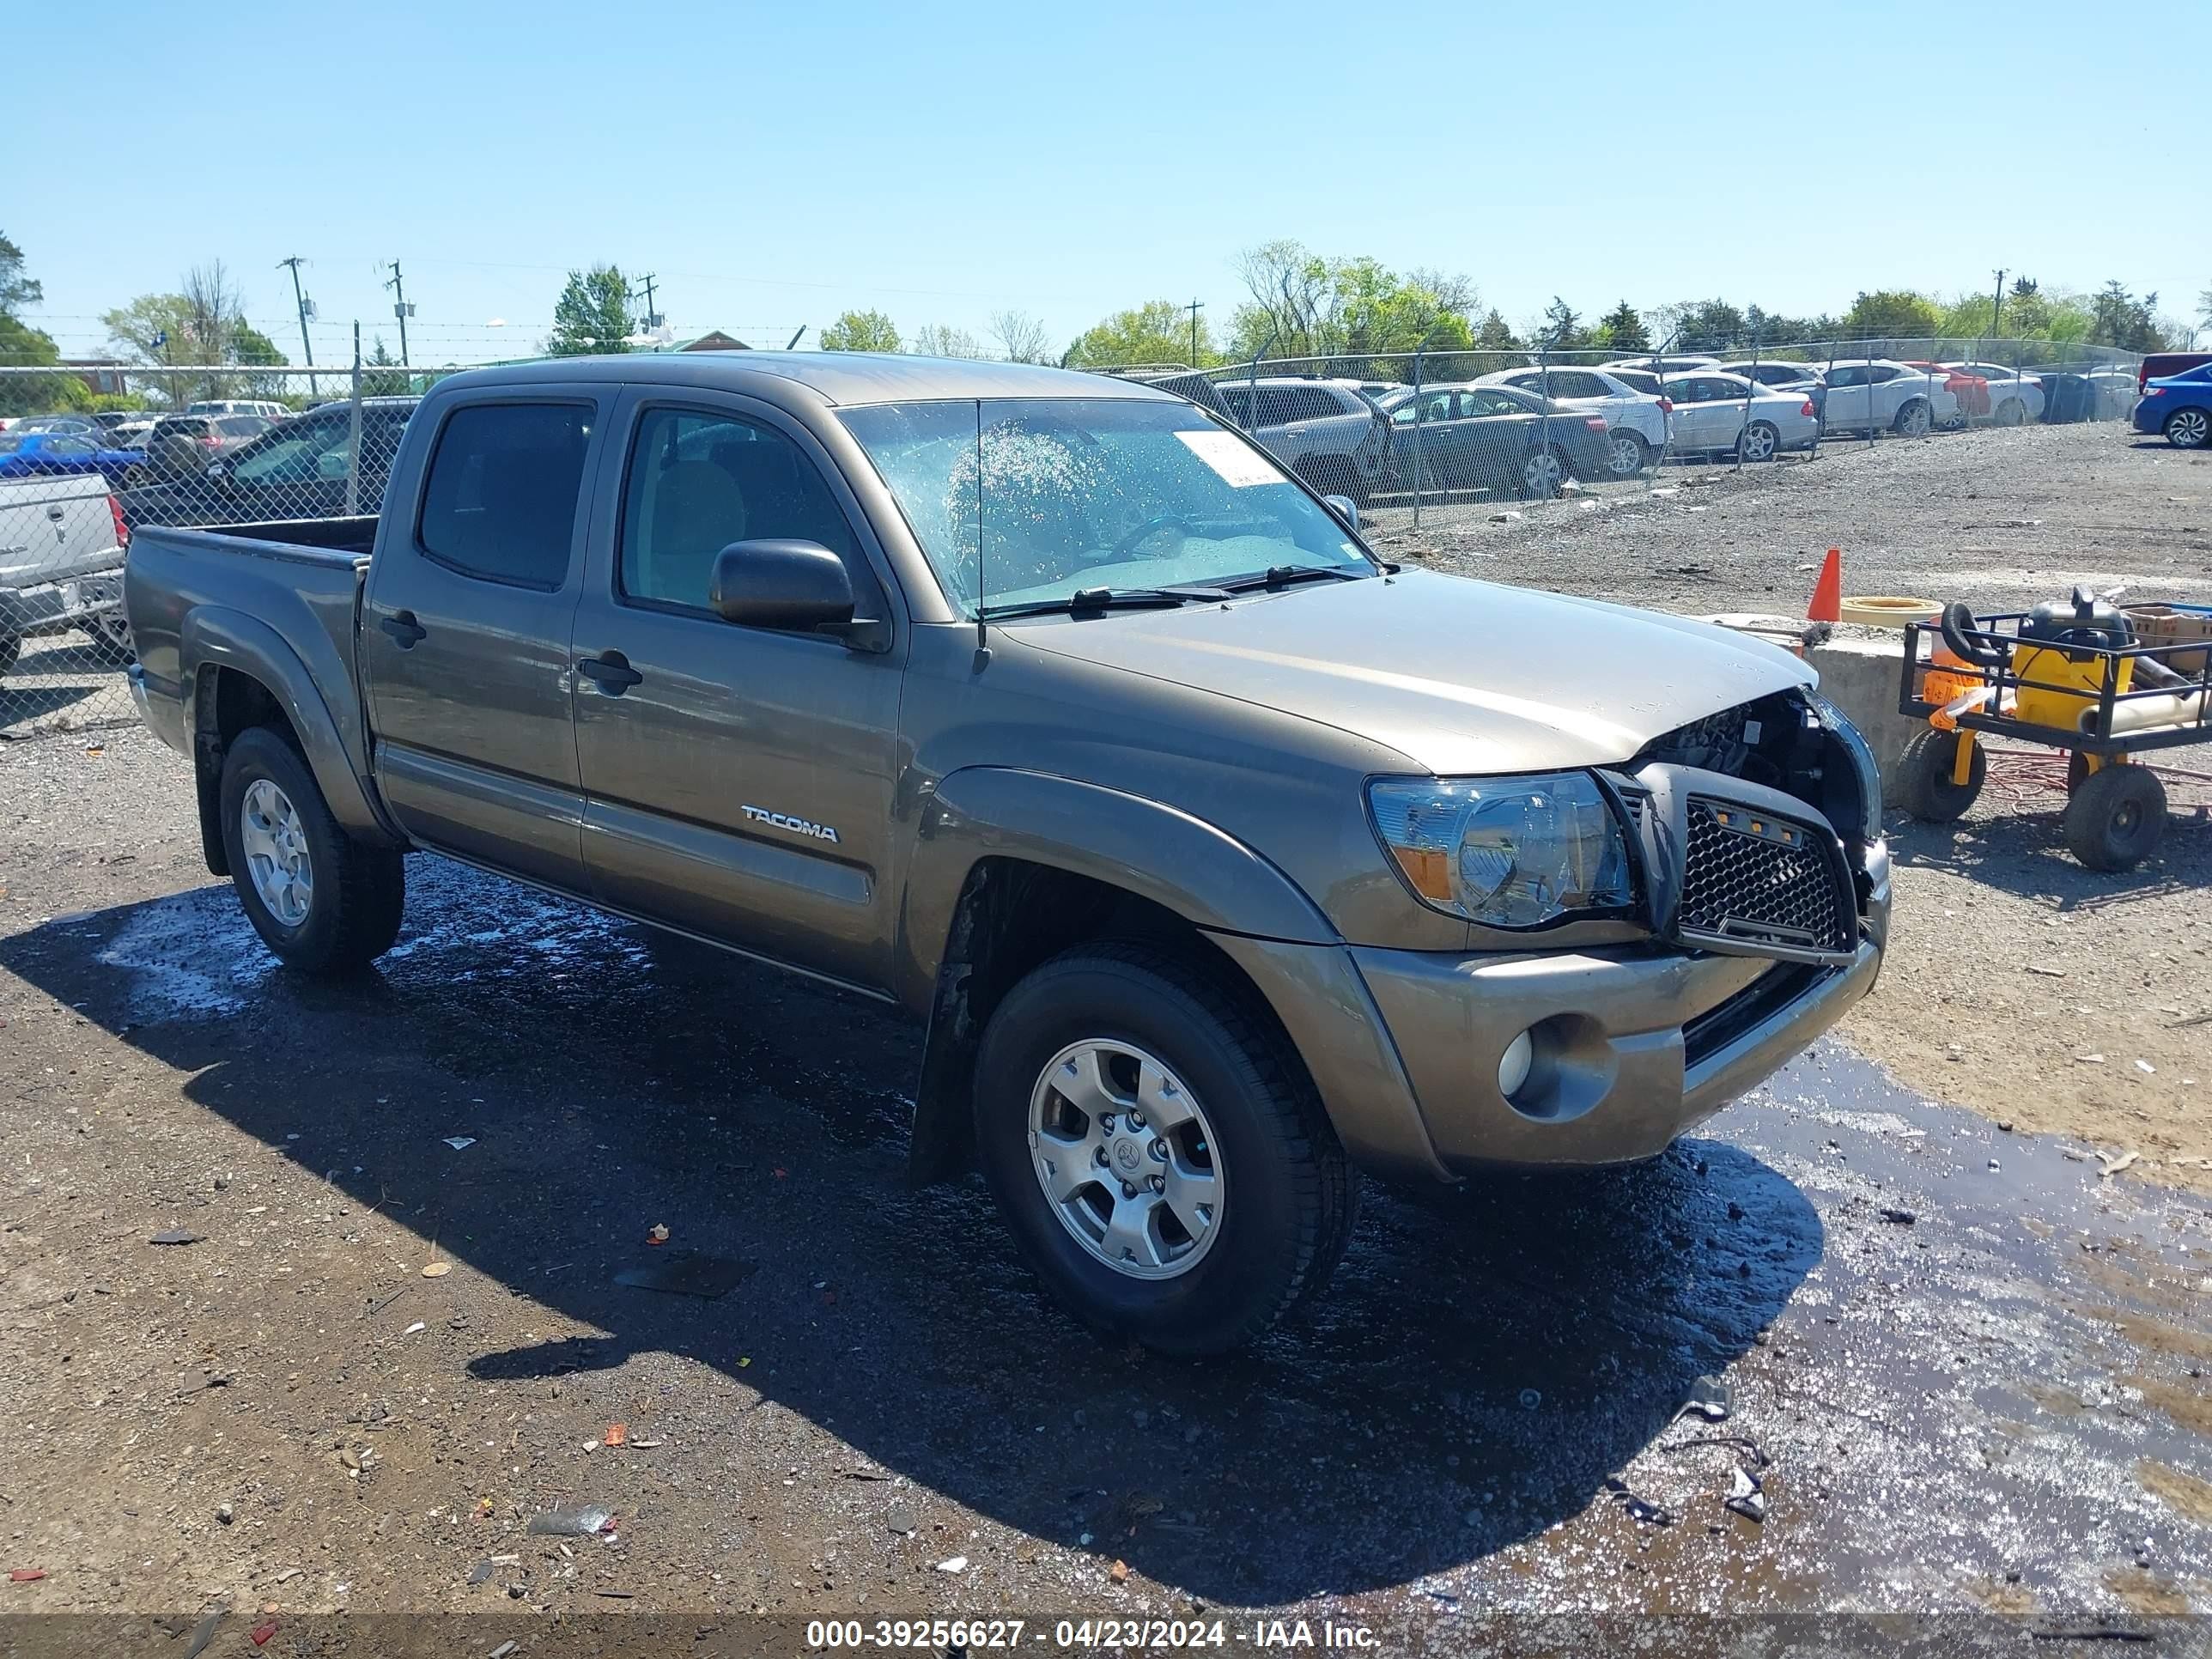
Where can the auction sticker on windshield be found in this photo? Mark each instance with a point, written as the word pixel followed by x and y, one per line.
pixel 1236 461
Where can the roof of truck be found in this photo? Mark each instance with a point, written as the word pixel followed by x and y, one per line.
pixel 837 377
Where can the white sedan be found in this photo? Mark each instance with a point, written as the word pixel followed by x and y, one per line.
pixel 2014 397
pixel 1727 414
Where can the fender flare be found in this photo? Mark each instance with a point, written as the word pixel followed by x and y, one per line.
pixel 214 637
pixel 1159 853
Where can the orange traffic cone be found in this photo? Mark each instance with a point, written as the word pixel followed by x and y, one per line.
pixel 1828 591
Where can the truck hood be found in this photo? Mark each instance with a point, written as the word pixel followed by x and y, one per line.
pixel 1458 676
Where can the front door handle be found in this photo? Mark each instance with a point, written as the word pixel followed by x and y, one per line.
pixel 402 628
pixel 611 673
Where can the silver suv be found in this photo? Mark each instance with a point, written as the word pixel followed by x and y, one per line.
pixel 1329 432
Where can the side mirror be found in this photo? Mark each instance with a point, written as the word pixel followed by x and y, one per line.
pixel 1345 509
pixel 778 583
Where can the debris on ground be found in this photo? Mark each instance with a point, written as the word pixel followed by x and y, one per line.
pixel 1900 1218
pixel 436 1269
pixel 1640 1510
pixel 481 1573
pixel 460 1143
pixel 585 1523
pixel 688 1273
pixel 175 1235
pixel 417 1326
pixel 900 1519
pixel 656 1233
pixel 1745 1496
pixel 1710 1398
pixel 1530 1399
pixel 1119 1573
pixel 2109 1163
pixel 260 1633
pixel 956 1564
pixel 617 1434
pixel 27 1575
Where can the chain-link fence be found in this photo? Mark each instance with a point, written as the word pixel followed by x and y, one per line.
pixel 201 447
pixel 1418 440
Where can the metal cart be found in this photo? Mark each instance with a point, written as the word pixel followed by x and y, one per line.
pixel 2070 675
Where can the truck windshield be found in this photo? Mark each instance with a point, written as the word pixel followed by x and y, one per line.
pixel 1060 495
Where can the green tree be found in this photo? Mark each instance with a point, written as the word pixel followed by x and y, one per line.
pixel 1699 326
pixel 22 344
pixel 1622 330
pixel 202 325
pixel 592 315
pixel 382 375
pixel 861 330
pixel 1302 305
pixel 2125 321
pixel 1158 332
pixel 1563 328
pixel 1892 314
pixel 1496 334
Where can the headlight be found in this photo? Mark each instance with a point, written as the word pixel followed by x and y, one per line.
pixel 1855 745
pixel 1504 851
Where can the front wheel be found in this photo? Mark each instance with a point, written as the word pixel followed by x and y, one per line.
pixel 1759 443
pixel 321 901
pixel 1926 771
pixel 1157 1150
pixel 2188 428
pixel 2012 412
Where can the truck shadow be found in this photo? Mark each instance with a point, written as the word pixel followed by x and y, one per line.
pixel 1484 1360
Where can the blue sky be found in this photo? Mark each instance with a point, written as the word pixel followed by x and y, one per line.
pixel 776 165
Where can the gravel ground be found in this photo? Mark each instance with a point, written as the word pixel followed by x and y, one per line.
pixel 1966 1368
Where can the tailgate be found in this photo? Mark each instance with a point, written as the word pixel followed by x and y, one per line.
pixel 54 528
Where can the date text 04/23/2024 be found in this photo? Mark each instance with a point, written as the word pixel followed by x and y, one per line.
pixel 1085 1634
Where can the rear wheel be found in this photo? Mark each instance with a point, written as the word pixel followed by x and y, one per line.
pixel 1157 1150
pixel 1914 420
pixel 2188 428
pixel 2116 818
pixel 1627 453
pixel 1924 776
pixel 2011 412
pixel 1759 443
pixel 321 901
pixel 1543 472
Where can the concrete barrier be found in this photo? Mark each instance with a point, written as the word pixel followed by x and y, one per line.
pixel 1859 675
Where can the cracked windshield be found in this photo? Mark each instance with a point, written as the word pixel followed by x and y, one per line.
pixel 1078 496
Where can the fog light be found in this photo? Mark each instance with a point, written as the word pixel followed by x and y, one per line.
pixel 1513 1064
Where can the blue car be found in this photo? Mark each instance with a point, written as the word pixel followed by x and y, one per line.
pixel 29 455
pixel 2178 405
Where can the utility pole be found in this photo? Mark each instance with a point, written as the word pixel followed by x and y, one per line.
pixel 1195 308
pixel 1996 308
pixel 300 298
pixel 400 309
pixel 651 317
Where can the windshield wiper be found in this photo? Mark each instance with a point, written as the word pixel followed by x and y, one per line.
pixel 1281 575
pixel 1086 600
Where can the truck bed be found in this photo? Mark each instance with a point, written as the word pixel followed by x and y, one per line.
pixel 294 585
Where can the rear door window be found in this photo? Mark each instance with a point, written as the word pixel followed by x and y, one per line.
pixel 501 500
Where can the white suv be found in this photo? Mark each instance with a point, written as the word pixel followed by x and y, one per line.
pixel 238 406
pixel 1636 421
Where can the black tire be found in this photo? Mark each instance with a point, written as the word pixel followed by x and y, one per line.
pixel 2012 412
pixel 1759 442
pixel 1924 776
pixel 2116 818
pixel 1916 420
pixel 1533 481
pixel 11 648
pixel 1287 1187
pixel 2188 428
pixel 358 890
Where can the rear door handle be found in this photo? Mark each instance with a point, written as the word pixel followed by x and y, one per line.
pixel 402 628
pixel 611 673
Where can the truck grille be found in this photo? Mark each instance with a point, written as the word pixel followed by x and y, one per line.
pixel 1756 879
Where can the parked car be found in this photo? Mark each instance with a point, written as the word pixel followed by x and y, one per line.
pixel 264 407
pixel 61 560
pixel 1636 420
pixel 181 446
pixel 1498 439
pixel 24 454
pixel 1681 365
pixel 1711 417
pixel 1876 394
pixel 82 426
pixel 1327 432
pixel 2083 393
pixel 296 468
pixel 1767 371
pixel 2012 398
pixel 1967 391
pixel 1186 384
pixel 1235 862
pixel 2162 365
pixel 2179 406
